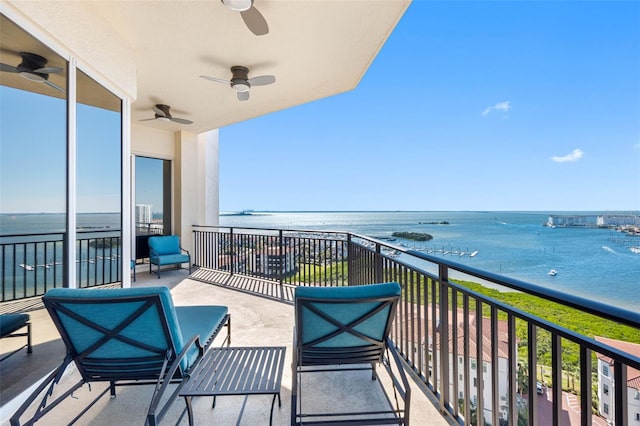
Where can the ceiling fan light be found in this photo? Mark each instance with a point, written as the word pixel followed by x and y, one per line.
pixel 238 5
pixel 241 87
pixel 164 119
pixel 32 76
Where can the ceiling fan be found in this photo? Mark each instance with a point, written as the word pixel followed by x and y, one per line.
pixel 163 114
pixel 240 81
pixel 251 16
pixel 33 68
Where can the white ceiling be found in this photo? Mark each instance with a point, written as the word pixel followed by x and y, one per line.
pixel 314 48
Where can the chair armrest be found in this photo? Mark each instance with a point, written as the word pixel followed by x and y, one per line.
pixel 152 252
pixel 186 251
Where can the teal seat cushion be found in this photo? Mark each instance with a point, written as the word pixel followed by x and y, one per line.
pixel 169 259
pixel 12 322
pixel 345 305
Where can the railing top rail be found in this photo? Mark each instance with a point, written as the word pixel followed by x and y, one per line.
pixel 308 231
pixel 37 234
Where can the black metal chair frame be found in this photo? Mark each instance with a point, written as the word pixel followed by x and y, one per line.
pixel 309 358
pixel 15 333
pixel 161 369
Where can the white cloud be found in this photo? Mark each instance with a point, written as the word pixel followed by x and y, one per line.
pixel 504 106
pixel 575 155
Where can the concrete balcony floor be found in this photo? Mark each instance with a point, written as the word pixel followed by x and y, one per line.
pixel 255 321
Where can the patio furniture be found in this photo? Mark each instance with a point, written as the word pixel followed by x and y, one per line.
pixel 127 336
pixel 238 371
pixel 166 250
pixel 10 324
pixel 340 329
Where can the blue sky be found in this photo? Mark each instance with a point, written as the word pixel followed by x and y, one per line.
pixel 468 106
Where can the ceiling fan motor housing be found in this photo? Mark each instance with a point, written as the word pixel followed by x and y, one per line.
pixel 31 62
pixel 240 78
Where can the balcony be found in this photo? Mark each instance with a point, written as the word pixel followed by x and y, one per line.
pixel 526 358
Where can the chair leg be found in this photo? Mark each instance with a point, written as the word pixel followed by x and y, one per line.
pixel 112 389
pixel 158 271
pixel 29 350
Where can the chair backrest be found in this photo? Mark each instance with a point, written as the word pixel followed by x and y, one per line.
pixel 116 334
pixel 344 325
pixel 166 244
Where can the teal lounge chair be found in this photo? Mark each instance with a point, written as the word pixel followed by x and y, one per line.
pixel 10 325
pixel 347 328
pixel 127 337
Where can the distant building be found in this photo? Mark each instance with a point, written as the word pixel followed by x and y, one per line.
pixel 606 383
pixel 593 220
pixel 502 341
pixel 143 213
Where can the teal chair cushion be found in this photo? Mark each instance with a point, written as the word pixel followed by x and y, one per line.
pixel 169 259
pixel 340 303
pixel 166 244
pixel 147 328
pixel 12 322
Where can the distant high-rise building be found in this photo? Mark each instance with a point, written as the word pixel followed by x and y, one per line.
pixel 143 213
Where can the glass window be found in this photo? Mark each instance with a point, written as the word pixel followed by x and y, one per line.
pixel 98 183
pixel 605 370
pixel 605 389
pixel 473 364
pixel 605 408
pixel 33 163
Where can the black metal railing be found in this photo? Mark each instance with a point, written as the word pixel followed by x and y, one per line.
pixel 31 264
pixel 485 360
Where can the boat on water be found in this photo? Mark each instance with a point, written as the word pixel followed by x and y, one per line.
pixel 27 267
pixel 635 249
pixel 553 272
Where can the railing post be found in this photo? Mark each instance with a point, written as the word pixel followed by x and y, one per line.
pixel 620 396
pixel 232 250
pixel 585 386
pixel 282 263
pixel 350 261
pixel 378 264
pixel 443 326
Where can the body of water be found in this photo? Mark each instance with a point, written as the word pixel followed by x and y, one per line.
pixel 590 262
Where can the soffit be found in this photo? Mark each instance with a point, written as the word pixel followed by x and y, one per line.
pixel 314 48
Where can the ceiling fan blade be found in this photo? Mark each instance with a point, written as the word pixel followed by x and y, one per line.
pixel 262 80
pixel 254 20
pixel 243 96
pixel 147 119
pixel 217 80
pixel 48 70
pixel 8 68
pixel 181 120
pixel 55 86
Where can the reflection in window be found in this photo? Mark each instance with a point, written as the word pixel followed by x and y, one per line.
pixel 98 183
pixel 33 164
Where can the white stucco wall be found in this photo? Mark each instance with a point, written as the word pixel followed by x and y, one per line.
pixel 154 143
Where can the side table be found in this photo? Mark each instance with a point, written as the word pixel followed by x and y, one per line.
pixel 237 371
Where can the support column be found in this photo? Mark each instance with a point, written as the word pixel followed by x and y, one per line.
pixel 196 183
